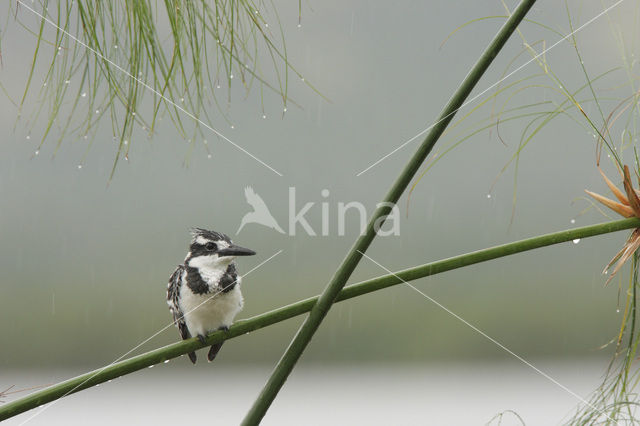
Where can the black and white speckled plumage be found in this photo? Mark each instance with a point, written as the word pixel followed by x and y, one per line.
pixel 203 293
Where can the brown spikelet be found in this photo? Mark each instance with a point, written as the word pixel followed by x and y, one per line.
pixel 629 206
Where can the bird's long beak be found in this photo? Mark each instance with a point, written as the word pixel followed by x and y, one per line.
pixel 234 250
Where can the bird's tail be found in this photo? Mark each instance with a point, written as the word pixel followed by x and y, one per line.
pixel 214 351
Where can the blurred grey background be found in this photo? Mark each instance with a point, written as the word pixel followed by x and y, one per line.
pixel 85 261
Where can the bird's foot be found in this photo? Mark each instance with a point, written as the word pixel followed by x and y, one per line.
pixel 202 338
pixel 224 328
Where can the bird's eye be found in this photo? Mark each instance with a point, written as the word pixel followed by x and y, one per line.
pixel 210 246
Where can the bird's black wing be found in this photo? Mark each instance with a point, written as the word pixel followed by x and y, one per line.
pixel 173 294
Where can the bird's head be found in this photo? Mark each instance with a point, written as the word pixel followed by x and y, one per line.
pixel 213 250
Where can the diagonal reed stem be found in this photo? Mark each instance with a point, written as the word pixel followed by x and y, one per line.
pixel 266 319
pixel 344 271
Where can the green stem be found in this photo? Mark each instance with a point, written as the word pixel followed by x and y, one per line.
pixel 157 356
pixel 344 271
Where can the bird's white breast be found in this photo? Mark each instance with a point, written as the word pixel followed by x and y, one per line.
pixel 205 313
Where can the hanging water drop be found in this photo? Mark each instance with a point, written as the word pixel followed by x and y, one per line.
pixel 28 137
pixel 79 166
pixel 67 81
pixel 126 142
pixel 573 221
pixel 166 361
pixel 209 156
pixel 576 241
pixel 285 109
pixel 151 366
pixel 488 195
pixel 84 94
pixel 618 310
pixel 230 76
pixel 37 152
pixel 264 116
pixel 233 127
pixel 97 111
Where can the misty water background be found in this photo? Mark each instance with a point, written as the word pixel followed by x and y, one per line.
pixel 85 263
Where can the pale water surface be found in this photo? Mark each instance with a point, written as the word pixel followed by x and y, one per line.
pixel 372 394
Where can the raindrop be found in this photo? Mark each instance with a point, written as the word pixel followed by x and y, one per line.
pixel 115 46
pixel 573 221
pixel 133 113
pixel 576 241
pixel 84 94
pixel 618 310
pixel 233 127
pixel 79 166
pixel 594 135
pixel 85 137
pixel 205 142
pixel 67 81
pixel 285 109
pixel 151 366
pixel 37 152
pixel 97 111
pixel 488 195
pixel 166 361
pixel 28 136
pixel 59 48
pixel 181 99
pixel 209 156
pixel 302 79
pixel 45 84
pixel 126 142
pixel 264 116
pixel 231 76
pixel 299 25
pixel 266 25
pixel 109 381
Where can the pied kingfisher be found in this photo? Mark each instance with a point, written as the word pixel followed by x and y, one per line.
pixel 204 292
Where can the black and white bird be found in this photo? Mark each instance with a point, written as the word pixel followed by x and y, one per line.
pixel 204 292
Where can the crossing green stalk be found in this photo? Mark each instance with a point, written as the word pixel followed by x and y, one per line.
pixel 344 271
pixel 157 356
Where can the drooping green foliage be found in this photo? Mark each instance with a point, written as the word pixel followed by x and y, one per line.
pixel 131 63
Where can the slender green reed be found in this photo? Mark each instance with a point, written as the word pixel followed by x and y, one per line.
pixel 242 327
pixel 319 311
